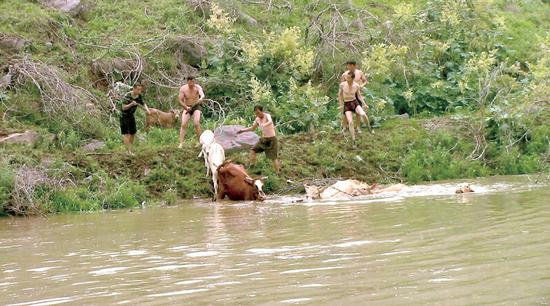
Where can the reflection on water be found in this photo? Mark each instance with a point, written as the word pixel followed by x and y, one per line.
pixel 424 246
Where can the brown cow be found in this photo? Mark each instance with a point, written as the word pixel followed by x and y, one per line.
pixel 155 117
pixel 234 181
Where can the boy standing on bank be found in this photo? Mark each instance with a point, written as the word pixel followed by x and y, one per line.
pixel 349 98
pixel 361 79
pixel 128 106
pixel 268 143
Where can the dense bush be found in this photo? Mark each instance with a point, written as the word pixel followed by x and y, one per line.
pixel 6 188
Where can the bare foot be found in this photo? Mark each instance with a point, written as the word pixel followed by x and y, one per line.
pixel 180 145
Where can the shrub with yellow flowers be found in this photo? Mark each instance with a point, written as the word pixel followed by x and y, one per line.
pixel 219 20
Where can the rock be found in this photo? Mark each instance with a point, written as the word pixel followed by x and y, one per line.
pixel 6 80
pixel 388 24
pixel 245 18
pixel 227 136
pixel 358 24
pixel 27 137
pixel 71 7
pixel 187 70
pixel 201 7
pixel 13 44
pixel 404 116
pixel 49 45
pixel 191 50
pixel 93 145
pixel 104 68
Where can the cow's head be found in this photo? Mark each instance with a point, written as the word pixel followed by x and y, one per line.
pixel 312 192
pixel 363 190
pixel 206 138
pixel 176 113
pixel 464 188
pixel 258 185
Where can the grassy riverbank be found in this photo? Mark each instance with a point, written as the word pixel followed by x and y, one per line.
pixel 72 179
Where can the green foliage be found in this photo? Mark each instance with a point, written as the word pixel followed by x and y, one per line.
pixel 6 187
pixel 101 193
pixel 170 197
pixel 513 162
pixel 69 139
pixel 441 156
pixel 539 142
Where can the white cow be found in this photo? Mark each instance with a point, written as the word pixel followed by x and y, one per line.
pixel 206 139
pixel 348 189
pixel 214 156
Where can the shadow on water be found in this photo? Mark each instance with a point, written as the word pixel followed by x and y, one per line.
pixel 426 246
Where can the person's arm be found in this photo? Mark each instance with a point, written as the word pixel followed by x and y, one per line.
pixel 129 105
pixel 340 98
pixel 201 94
pixel 181 99
pixel 126 106
pixel 250 129
pixel 343 77
pixel 142 103
pixel 364 80
pixel 360 97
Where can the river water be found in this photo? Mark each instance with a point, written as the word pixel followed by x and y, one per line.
pixel 423 246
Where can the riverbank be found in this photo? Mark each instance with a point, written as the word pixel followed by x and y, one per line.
pixel 60 176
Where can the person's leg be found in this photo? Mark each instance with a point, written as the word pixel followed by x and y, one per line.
pixel 362 114
pixel 197 123
pixel 349 116
pixel 184 120
pixel 344 123
pixel 358 122
pixel 252 157
pixel 277 165
pixel 127 139
pixel 131 140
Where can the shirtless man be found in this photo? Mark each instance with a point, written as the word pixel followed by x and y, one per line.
pixel 349 96
pixel 268 143
pixel 362 81
pixel 190 98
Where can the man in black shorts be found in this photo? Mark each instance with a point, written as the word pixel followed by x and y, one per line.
pixel 128 106
pixel 190 97
pixel 349 98
pixel 361 79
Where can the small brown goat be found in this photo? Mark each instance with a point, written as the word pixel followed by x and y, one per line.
pixel 155 117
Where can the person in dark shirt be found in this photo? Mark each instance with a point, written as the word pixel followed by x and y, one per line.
pixel 128 106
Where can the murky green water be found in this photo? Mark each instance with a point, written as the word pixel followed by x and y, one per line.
pixel 490 247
